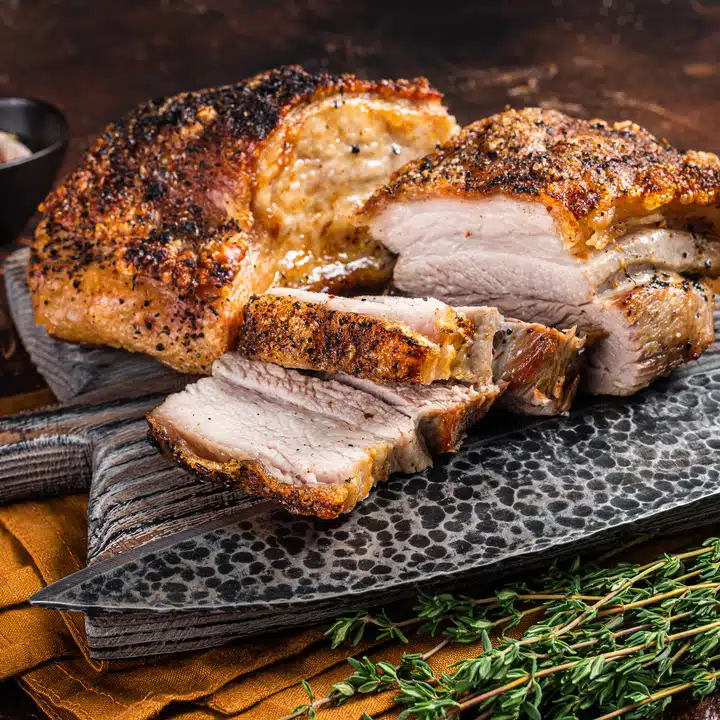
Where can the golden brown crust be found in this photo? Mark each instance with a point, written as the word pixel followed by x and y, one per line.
pixel 540 365
pixel 673 321
pixel 324 501
pixel 311 336
pixel 445 431
pixel 162 200
pixel 590 175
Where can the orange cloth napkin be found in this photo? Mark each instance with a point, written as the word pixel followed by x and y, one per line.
pixel 46 650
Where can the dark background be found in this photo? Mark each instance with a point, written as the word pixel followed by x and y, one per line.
pixel 654 61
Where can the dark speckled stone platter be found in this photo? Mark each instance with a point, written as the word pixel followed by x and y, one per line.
pixel 177 564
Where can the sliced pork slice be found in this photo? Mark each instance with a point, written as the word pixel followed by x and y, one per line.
pixel 540 214
pixel 398 340
pixel 443 412
pixel 540 365
pixel 384 339
pixel 316 445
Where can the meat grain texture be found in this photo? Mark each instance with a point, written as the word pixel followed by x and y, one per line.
pixel 315 445
pixel 568 223
pixel 397 340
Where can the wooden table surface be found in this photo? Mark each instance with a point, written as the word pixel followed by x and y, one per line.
pixel 654 61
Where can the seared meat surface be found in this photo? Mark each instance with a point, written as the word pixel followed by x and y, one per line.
pixel 540 366
pixel 398 340
pixel 189 204
pixel 591 177
pixel 550 219
pixel 315 445
pixel 385 339
pixel 658 321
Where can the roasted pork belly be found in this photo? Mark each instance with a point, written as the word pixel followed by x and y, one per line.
pixel 191 203
pixel 316 445
pixel 385 339
pixel 399 340
pixel 539 367
pixel 552 219
pixel 658 321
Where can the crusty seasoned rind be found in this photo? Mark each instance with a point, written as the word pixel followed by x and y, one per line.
pixel 311 336
pixel 590 175
pixel 322 500
pixel 541 366
pixel 148 245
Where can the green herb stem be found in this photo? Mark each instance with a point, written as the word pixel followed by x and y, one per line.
pixel 666 692
pixel 608 638
pixel 612 655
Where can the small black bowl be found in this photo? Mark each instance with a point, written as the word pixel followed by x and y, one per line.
pixel 25 183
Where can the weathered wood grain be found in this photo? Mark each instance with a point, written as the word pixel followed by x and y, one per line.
pixel 49 452
pixel 135 492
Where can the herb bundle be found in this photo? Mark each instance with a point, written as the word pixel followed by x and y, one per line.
pixel 598 643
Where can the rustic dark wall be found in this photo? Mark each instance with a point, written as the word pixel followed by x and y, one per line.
pixel 654 60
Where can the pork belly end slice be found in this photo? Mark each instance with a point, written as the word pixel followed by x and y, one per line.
pixel 656 322
pixel 536 366
pixel 384 339
pixel 315 446
pixel 541 366
pixel 443 412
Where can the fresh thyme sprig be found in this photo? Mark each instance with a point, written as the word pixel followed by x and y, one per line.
pixel 608 642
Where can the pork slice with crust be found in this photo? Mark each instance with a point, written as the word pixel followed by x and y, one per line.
pixel 384 339
pixel 548 218
pixel 189 204
pixel 398 340
pixel 316 445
